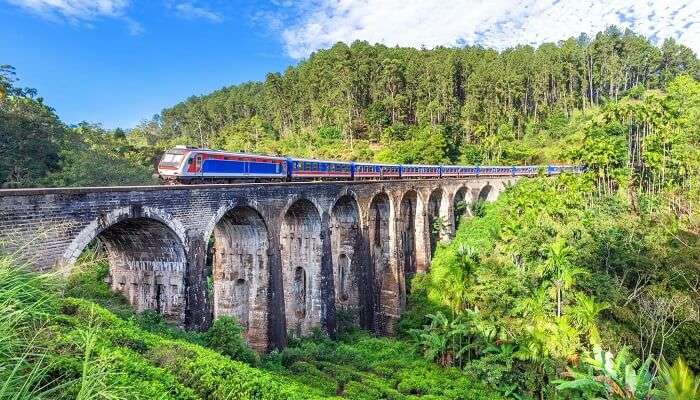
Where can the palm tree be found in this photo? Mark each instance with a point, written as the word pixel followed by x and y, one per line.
pixel 434 339
pixel 457 282
pixel 585 315
pixel 559 268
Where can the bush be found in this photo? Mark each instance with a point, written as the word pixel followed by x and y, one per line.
pixel 226 337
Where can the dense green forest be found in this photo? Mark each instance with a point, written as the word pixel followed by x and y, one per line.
pixel 577 287
pixel 361 102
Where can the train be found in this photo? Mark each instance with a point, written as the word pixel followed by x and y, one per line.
pixel 192 165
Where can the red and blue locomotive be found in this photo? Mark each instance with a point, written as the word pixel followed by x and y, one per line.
pixel 189 165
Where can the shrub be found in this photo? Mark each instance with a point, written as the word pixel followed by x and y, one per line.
pixel 226 337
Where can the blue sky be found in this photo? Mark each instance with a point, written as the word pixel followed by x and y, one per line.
pixel 120 61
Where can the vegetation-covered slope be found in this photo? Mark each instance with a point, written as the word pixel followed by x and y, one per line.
pixel 362 102
pixel 60 347
pixel 569 288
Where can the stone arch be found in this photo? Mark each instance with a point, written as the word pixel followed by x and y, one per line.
pixel 146 255
pixel 384 281
pixel 88 234
pixel 434 214
pixel 407 237
pixel 346 240
pixel 460 205
pixel 241 271
pixel 486 193
pixel 301 252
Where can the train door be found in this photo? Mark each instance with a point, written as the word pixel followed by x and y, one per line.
pixel 198 164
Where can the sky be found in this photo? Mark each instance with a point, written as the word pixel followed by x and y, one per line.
pixel 118 62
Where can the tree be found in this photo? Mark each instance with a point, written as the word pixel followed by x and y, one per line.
pixel 585 315
pixel 560 270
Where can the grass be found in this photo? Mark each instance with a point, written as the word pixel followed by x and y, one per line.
pixel 75 339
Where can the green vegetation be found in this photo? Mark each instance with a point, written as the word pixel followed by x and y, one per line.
pixel 557 269
pixel 68 347
pixel 570 288
pixel 362 102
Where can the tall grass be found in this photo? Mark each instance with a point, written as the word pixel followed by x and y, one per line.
pixel 26 302
pixel 29 306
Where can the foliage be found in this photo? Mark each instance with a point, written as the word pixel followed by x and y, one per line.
pixel 679 382
pixel 549 270
pixel 226 337
pixel 369 368
pixel 611 376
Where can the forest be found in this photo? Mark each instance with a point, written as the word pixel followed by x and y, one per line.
pixel 575 287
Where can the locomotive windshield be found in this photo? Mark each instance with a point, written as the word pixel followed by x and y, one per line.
pixel 172 159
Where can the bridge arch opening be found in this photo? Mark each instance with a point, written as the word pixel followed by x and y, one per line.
pixel 436 222
pixel 240 272
pixel 460 205
pixel 407 236
pixel 345 249
pixel 380 251
pixel 485 193
pixel 147 265
pixel 301 251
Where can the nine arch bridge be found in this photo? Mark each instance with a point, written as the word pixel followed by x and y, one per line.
pixel 280 257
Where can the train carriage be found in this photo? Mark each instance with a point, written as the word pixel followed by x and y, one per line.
pixel 420 171
pixel 528 170
pixel 494 171
pixel 376 171
pixel 449 171
pixel 319 169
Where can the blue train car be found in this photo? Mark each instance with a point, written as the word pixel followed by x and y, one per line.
pixel 494 171
pixel 420 171
pixel 527 170
pixel 319 169
pixel 189 165
pixel 377 171
pixel 459 170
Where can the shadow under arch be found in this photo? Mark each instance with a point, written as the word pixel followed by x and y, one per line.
pixel 435 222
pixel 346 248
pixel 485 193
pixel 146 257
pixel 407 238
pixel 460 205
pixel 301 253
pixel 384 281
pixel 240 264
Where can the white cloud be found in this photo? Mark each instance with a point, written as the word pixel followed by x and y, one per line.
pixel 493 23
pixel 82 12
pixel 190 11
pixel 75 10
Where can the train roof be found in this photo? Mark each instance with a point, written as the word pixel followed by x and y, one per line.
pixel 227 152
pixel 319 160
pixel 422 165
pixel 381 165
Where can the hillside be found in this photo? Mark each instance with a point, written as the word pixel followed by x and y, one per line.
pixel 361 102
pixel 574 287
pixel 472 105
